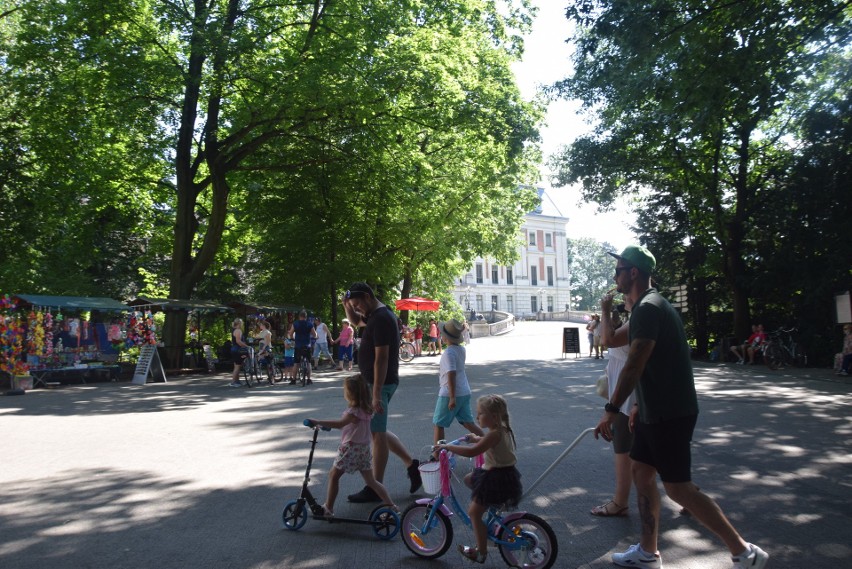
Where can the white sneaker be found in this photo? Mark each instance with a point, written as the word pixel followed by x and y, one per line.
pixel 756 559
pixel 635 557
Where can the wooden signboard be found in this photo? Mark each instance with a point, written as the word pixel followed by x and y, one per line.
pixel 149 363
pixel 570 341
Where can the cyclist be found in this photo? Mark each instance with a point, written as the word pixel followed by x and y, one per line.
pixel 302 332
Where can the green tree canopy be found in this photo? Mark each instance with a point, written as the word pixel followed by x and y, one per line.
pixel 696 106
pixel 287 147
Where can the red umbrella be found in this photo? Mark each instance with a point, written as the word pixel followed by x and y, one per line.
pixel 417 303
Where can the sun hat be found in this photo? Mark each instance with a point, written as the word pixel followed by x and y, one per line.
pixel 452 329
pixel 639 257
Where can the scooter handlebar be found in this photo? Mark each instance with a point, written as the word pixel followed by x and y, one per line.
pixel 309 423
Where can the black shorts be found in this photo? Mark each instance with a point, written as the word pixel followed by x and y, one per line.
pixel 238 356
pixel 300 353
pixel 666 446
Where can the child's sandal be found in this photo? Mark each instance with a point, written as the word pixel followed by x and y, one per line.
pixel 472 554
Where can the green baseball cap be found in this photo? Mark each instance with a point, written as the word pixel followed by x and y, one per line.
pixel 639 257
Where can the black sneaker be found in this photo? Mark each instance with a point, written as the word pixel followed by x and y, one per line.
pixel 414 476
pixel 366 494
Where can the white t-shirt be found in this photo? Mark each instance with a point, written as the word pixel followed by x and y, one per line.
pixel 322 333
pixel 453 360
pixel 617 359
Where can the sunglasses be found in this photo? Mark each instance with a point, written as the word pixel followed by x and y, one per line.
pixel 619 269
pixel 351 293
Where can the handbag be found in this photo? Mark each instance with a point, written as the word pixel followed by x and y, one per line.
pixel 602 387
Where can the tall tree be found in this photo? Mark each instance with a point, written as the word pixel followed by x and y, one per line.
pixel 687 95
pixel 208 101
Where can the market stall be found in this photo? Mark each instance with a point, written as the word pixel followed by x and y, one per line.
pixel 66 337
pixel 202 314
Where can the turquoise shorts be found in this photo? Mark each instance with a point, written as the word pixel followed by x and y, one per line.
pixel 379 423
pixel 444 416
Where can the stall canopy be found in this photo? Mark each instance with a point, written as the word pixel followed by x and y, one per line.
pixel 246 308
pixel 417 303
pixel 79 302
pixel 168 304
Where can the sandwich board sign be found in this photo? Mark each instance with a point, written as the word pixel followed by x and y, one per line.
pixel 148 363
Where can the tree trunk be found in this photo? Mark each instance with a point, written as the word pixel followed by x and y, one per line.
pixel 405 292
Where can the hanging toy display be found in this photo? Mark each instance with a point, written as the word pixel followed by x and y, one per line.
pixel 12 337
pixel 140 329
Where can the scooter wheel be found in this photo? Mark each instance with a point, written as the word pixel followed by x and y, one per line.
pixel 295 515
pixel 385 522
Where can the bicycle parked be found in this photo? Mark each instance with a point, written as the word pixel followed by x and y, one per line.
pixel 523 539
pixel 406 351
pixel 781 349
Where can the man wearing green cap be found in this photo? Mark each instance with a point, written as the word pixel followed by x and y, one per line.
pixel 659 368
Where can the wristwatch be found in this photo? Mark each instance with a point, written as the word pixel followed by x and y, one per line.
pixel 610 408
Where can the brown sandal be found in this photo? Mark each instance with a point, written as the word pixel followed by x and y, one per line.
pixel 605 511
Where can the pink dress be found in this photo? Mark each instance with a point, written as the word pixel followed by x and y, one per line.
pixel 353 454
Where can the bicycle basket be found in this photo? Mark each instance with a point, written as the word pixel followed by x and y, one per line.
pixel 430 473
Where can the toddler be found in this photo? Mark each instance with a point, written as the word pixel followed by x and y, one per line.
pixel 353 454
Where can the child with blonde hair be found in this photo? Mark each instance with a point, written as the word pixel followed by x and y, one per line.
pixel 498 482
pixel 353 454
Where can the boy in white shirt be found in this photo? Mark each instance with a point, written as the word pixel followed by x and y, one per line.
pixel 454 393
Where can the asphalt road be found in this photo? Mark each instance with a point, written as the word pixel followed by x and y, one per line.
pixel 195 474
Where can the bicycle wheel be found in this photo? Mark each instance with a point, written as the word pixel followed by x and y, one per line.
pixel 271 370
pixel 385 522
pixel 800 358
pixel 538 547
pixel 247 371
pixel 295 515
pixel 435 541
pixel 406 351
pixel 303 370
pixel 773 356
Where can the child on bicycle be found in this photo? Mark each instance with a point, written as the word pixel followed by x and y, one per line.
pixel 353 454
pixel 498 482
pixel 454 391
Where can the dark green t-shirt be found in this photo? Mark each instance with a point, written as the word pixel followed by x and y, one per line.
pixel 666 389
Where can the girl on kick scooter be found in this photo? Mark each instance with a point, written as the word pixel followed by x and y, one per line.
pixel 353 454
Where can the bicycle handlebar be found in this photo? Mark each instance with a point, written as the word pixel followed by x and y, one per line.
pixel 309 423
pixel 455 442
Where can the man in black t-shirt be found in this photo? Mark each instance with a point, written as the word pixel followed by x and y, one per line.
pixel 378 361
pixel 659 367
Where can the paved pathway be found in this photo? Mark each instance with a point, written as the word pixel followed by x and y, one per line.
pixel 194 474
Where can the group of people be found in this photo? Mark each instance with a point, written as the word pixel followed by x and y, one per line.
pixel 304 340
pixel 366 442
pixel 650 416
pixel 751 346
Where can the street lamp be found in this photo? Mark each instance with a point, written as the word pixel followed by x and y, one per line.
pixel 541 292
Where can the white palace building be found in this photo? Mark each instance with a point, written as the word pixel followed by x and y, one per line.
pixel 538 282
